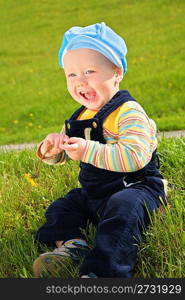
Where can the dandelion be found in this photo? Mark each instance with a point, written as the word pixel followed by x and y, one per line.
pixel 29 178
pixel 30 124
pixel 15 121
pixel 39 126
pixel 31 115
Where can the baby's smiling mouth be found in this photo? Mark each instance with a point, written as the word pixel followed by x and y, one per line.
pixel 88 95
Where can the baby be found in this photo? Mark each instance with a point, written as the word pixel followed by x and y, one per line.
pixel 115 142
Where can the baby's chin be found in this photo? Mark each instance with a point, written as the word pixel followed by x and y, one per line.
pixel 94 106
pixel 90 103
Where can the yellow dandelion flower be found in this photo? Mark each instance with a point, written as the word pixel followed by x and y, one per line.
pixel 30 124
pixel 30 115
pixel 15 121
pixel 30 179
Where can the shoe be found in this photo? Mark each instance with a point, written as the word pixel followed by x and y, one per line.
pixel 90 275
pixel 51 263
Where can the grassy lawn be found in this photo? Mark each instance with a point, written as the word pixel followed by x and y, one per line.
pixel 22 207
pixel 34 100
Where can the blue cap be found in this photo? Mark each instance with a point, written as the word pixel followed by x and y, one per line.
pixel 98 37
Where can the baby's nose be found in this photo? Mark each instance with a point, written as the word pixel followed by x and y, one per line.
pixel 81 81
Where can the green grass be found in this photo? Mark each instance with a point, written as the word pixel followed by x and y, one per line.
pixel 22 208
pixel 34 101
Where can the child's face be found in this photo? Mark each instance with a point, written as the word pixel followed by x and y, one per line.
pixel 90 77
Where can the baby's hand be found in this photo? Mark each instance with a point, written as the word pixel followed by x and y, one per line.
pixel 52 144
pixel 75 148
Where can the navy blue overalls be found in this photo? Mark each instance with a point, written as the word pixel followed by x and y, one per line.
pixel 116 203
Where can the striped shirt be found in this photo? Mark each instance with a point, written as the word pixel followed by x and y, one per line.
pixel 130 140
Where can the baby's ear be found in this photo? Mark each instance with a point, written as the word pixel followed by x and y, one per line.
pixel 118 74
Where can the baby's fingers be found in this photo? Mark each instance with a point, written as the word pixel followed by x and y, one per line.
pixel 63 139
pixel 46 147
pixel 70 147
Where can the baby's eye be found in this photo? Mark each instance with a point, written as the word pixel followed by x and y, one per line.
pixel 71 75
pixel 89 71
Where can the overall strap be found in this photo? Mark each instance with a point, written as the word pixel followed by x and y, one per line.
pixel 118 99
pixel 77 113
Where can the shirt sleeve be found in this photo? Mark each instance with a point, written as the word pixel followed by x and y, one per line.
pixel 58 159
pixel 130 150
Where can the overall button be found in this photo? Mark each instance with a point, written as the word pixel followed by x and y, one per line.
pixel 68 126
pixel 94 124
